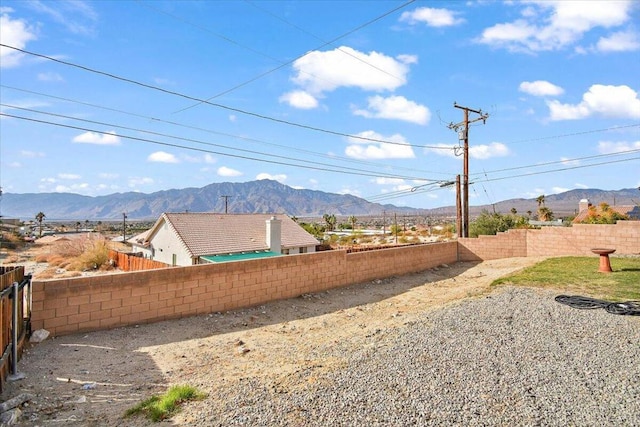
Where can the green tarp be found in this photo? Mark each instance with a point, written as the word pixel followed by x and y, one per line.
pixel 239 257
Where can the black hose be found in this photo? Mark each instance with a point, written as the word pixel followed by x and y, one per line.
pixel 628 308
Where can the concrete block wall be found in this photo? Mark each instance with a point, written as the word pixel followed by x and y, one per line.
pixel 577 240
pixel 512 243
pixel 102 302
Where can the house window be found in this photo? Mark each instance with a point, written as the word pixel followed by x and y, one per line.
pixel 303 250
pixel 285 252
pixel 174 259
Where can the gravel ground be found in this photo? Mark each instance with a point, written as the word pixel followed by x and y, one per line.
pixel 439 347
pixel 515 357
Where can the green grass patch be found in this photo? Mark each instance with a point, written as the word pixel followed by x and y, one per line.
pixel 580 275
pixel 158 408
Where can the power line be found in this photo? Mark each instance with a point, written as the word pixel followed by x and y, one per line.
pixel 363 173
pixel 244 138
pixel 562 169
pixel 282 64
pixel 213 104
pixel 201 142
pixel 573 134
pixel 555 162
pixel 325 43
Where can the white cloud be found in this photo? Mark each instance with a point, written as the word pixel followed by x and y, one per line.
pixel 225 171
pixel 622 41
pixel 547 25
pixel 395 107
pixel 13 32
pixel 608 147
pixel 569 162
pixel 350 191
pixel 77 16
pixel 442 150
pixel 606 101
pixel 578 185
pixel 481 151
pixel 68 176
pixel 388 181
pixel 108 138
pixel 162 157
pixel 233 118
pixel 209 159
pixel 279 177
pixel 50 77
pixel 138 181
pixel 495 149
pixel 31 154
pixel 363 149
pixel 540 88
pixel 319 72
pixel 557 190
pixel 432 17
pixel 299 99
pixel 108 175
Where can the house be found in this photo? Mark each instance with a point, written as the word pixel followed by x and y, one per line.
pixel 196 238
pixel 631 211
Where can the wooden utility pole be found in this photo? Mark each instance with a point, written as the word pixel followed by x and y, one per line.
pixel 124 227
pixel 463 135
pixel 458 208
pixel 226 203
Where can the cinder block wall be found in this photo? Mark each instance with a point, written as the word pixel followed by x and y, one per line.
pixel 102 302
pixel 579 239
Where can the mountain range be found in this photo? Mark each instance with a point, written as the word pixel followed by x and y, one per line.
pixel 266 196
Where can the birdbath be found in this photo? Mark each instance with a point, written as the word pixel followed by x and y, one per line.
pixel 605 265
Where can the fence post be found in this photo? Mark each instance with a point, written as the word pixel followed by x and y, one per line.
pixel 15 375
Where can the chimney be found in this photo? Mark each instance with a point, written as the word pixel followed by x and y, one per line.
pixel 584 204
pixel 274 234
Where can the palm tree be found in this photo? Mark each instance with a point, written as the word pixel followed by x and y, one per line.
pixel 540 200
pixel 330 220
pixel 514 211
pixel 78 224
pixel 352 220
pixel 40 217
pixel 545 214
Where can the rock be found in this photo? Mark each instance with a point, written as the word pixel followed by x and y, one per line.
pixel 14 402
pixel 89 386
pixel 10 418
pixel 39 335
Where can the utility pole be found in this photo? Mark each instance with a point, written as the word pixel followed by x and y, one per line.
pixel 226 203
pixel 458 208
pixel 463 135
pixel 124 227
pixel 384 223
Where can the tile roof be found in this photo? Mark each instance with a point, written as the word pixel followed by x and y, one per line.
pixel 209 233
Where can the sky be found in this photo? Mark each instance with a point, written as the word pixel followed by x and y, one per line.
pixel 349 97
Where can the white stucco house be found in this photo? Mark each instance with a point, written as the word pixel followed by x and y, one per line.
pixel 195 238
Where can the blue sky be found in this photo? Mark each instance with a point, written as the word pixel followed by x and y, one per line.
pixel 339 96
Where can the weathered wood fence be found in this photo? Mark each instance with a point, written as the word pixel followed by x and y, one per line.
pixel 131 262
pixel 15 318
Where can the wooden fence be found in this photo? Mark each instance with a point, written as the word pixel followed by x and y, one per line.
pixel 15 317
pixel 132 262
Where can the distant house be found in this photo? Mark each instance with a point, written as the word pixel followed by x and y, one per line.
pixel 631 211
pixel 196 238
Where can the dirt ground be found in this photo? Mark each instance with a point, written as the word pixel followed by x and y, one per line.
pixel 91 379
